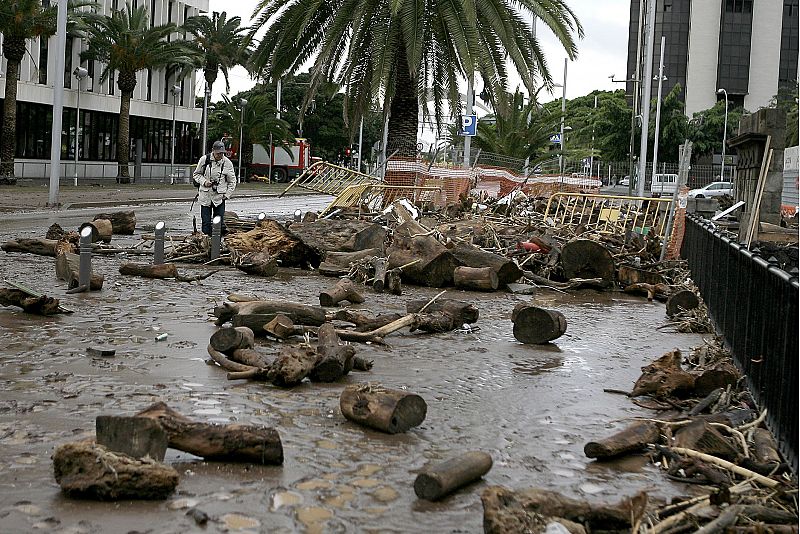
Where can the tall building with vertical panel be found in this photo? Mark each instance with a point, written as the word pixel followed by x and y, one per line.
pixel 747 47
pixel 151 106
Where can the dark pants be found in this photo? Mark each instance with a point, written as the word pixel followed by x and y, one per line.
pixel 207 214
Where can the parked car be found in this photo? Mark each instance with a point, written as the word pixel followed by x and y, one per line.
pixel 714 189
pixel 625 181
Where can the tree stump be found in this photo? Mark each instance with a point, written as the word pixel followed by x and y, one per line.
pixel 68 269
pixel 479 278
pixel 343 290
pixel 584 258
pixel 122 222
pixel 394 282
pixel 226 443
pixel 333 360
pixel 226 340
pixel 387 410
pixel 379 280
pixel 440 480
pixel 683 300
pixel 425 261
pixel 258 264
pixel 101 230
pixel 461 312
pixel 664 377
pixel 271 236
pixel 722 375
pixel 298 313
pixel 280 327
pixel 88 470
pixel 291 366
pixel 506 270
pixel 633 438
pixel 536 325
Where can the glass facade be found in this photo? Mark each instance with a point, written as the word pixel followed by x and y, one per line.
pixel 787 75
pixel 733 67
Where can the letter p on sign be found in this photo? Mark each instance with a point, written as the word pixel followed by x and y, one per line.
pixel 469 125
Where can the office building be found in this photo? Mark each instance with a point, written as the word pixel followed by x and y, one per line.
pixel 747 47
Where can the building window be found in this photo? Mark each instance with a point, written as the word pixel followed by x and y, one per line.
pixel 149 85
pixel 44 43
pixel 68 64
pixel 152 13
pixel 90 76
pixel 667 6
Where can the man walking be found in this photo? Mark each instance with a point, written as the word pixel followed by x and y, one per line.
pixel 216 182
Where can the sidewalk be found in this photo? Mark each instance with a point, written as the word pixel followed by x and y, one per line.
pixel 20 198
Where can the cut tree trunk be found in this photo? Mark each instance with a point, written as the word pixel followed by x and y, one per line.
pixel 435 323
pixel 628 274
pixel 722 375
pixel 440 480
pixel 333 360
pixel 506 270
pixel 339 263
pixel 254 321
pixel 386 410
pixel 291 366
pixel 330 235
pixel 298 313
pixel 280 327
pixel 702 437
pixel 664 377
pixel 230 443
pixel 379 279
pixel 394 281
pixel 122 222
pixel 42 305
pixel 88 470
pixel 479 278
pixel 537 325
pixel 68 269
pixel 633 438
pixel 412 242
pixel 270 236
pixel 258 263
pixel 766 448
pixel 160 271
pixel 658 291
pixel 364 323
pixel 344 289
pixel 251 357
pixel 227 340
pixel 461 312
pixel 40 247
pixel 683 300
pixel 584 258
pixel 101 230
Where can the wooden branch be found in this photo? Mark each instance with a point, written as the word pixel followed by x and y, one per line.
pixel 741 471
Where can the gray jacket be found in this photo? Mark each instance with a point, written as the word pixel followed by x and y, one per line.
pixel 220 174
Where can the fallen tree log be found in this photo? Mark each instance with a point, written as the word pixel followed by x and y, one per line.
pixel 122 222
pixel 41 305
pixel 291 366
pixel 339 263
pixel 160 271
pixel 257 263
pixel 440 480
pixel 461 312
pixel 658 291
pixel 536 325
pixel 683 300
pixel 298 313
pixel 701 436
pixel 394 281
pixel 333 360
pixel 281 327
pixel 425 261
pixel 88 470
pixel 633 438
pixel 364 323
pixel 230 443
pixel 575 283
pixel 344 289
pixel 387 410
pixel 584 258
pixel 254 321
pixel 721 375
pixel 346 235
pixel 505 269
pixel 38 246
pixel 479 278
pixel 270 236
pixel 766 448
pixel 68 269
pixel 227 340
pixel 101 230
pixel 664 377
pixel 251 357
pixel 379 265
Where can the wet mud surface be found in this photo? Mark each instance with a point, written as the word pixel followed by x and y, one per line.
pixel 531 407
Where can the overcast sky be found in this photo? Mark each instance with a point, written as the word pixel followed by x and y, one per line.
pixel 600 54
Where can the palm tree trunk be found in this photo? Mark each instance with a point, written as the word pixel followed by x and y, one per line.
pixel 9 143
pixel 124 138
pixel 404 111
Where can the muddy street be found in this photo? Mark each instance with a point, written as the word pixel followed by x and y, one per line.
pixel 531 407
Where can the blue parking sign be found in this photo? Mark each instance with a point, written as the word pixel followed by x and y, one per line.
pixel 469 125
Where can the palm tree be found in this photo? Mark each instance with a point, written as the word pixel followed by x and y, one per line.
pixel 400 50
pixel 222 43
pixel 126 44
pixel 20 21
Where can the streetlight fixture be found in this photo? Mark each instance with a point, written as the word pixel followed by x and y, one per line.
pixel 660 79
pixel 80 73
pixel 175 90
pixel 243 104
pixel 721 91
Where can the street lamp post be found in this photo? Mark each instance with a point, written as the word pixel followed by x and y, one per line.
pixel 243 104
pixel 80 73
pixel 661 79
pixel 563 113
pixel 175 90
pixel 204 141
pixel 724 131
pixel 591 155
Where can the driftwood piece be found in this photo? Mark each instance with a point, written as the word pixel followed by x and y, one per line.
pixel 664 377
pixel 254 321
pixel 135 436
pixel 68 269
pixel 362 364
pixel 507 270
pixel 291 366
pixel 364 323
pixel 753 512
pixel 270 236
pixel 387 410
pixel 40 247
pixel 250 357
pixel 394 281
pixel 657 291
pixel 161 271
pixel 122 222
pixel 229 443
pixel 721 375
pixel 333 359
pixel 379 279
pixel 683 300
pixel 633 438
pixel 412 242
pixel 701 436
pixel 505 510
pixel 258 263
pixel 88 470
pixel 339 263
pixel 706 402
pixel 766 448
pixel 479 278
pixel 344 289
pixel 344 335
pixel 461 312
pixel 226 340
pixel 584 258
pixel 101 230
pixel 345 235
pixel 437 322
pixel 41 305
pixel 298 313
pixel 536 325
pixel 575 283
pixel 437 481
pixel 280 327
pixel 628 275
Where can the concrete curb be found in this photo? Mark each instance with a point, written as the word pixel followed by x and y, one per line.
pixel 138 202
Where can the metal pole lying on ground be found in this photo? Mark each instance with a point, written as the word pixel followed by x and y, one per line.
pixel 216 237
pixel 158 249
pixel 85 265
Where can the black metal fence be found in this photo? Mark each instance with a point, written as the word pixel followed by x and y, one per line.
pixel 754 307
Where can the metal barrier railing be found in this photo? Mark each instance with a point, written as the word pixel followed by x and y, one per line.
pixel 102 171
pixel 612 214
pixel 375 196
pixel 753 305
pixel 330 179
